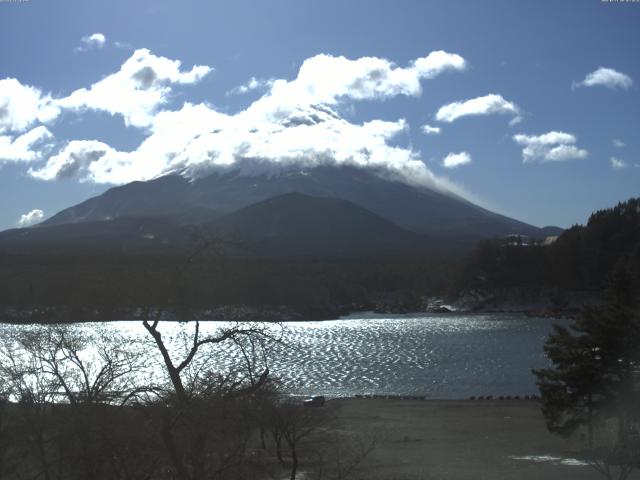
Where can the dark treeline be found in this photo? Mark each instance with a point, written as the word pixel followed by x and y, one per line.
pixel 86 287
pixel 581 259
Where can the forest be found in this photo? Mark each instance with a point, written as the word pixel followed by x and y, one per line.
pixel 581 259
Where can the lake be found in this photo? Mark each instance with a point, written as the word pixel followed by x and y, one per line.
pixel 444 356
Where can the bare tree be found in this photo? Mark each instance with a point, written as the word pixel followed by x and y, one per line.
pixel 95 367
pixel 34 395
pixel 293 422
pixel 70 387
pixel 198 392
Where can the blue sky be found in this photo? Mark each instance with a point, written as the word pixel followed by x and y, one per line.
pixel 537 103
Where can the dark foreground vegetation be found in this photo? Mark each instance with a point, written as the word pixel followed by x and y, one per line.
pixel 84 407
pixel 593 385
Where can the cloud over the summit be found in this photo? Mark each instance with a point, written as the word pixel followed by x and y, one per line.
pixel 487 105
pixel 606 77
pixel 295 123
pixel 549 147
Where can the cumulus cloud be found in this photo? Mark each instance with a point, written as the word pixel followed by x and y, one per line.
pixel 429 130
pixel 22 105
pixel 27 219
pixel 95 40
pixel 454 160
pixel 137 90
pixel 326 79
pixel 618 143
pixel 142 85
pixel 25 148
pixel 294 124
pixel 487 105
pixel 617 163
pixel 605 77
pixel 549 147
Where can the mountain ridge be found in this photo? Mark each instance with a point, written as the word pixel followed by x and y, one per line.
pixel 420 209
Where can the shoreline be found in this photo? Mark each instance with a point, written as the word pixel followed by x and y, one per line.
pixel 460 440
pixel 243 313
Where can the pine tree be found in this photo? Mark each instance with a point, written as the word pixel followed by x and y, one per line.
pixel 595 362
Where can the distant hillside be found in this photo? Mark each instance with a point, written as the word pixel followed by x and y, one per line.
pixel 289 226
pixel 582 258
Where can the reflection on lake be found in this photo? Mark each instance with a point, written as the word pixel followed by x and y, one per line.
pixel 440 356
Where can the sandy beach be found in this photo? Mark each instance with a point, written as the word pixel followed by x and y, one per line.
pixel 461 440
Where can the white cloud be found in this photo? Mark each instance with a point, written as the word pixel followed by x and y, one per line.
pixel 605 77
pixel 618 143
pixel 549 147
pixel 454 160
pixel 294 124
pixel 515 120
pixel 486 105
pixel 429 130
pixel 95 40
pixel 253 84
pixel 34 216
pixel 22 148
pixel 617 163
pixel 123 45
pixel 325 79
pixel 142 84
pixel 77 160
pixel 196 140
pixel 22 105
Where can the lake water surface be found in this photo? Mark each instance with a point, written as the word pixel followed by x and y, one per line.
pixel 439 356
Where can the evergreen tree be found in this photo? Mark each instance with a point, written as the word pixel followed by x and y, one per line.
pixel 595 365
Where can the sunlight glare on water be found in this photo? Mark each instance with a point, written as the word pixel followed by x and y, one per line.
pixel 438 356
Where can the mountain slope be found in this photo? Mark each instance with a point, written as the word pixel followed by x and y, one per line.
pixel 120 235
pixel 292 226
pixel 298 225
pixel 419 209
